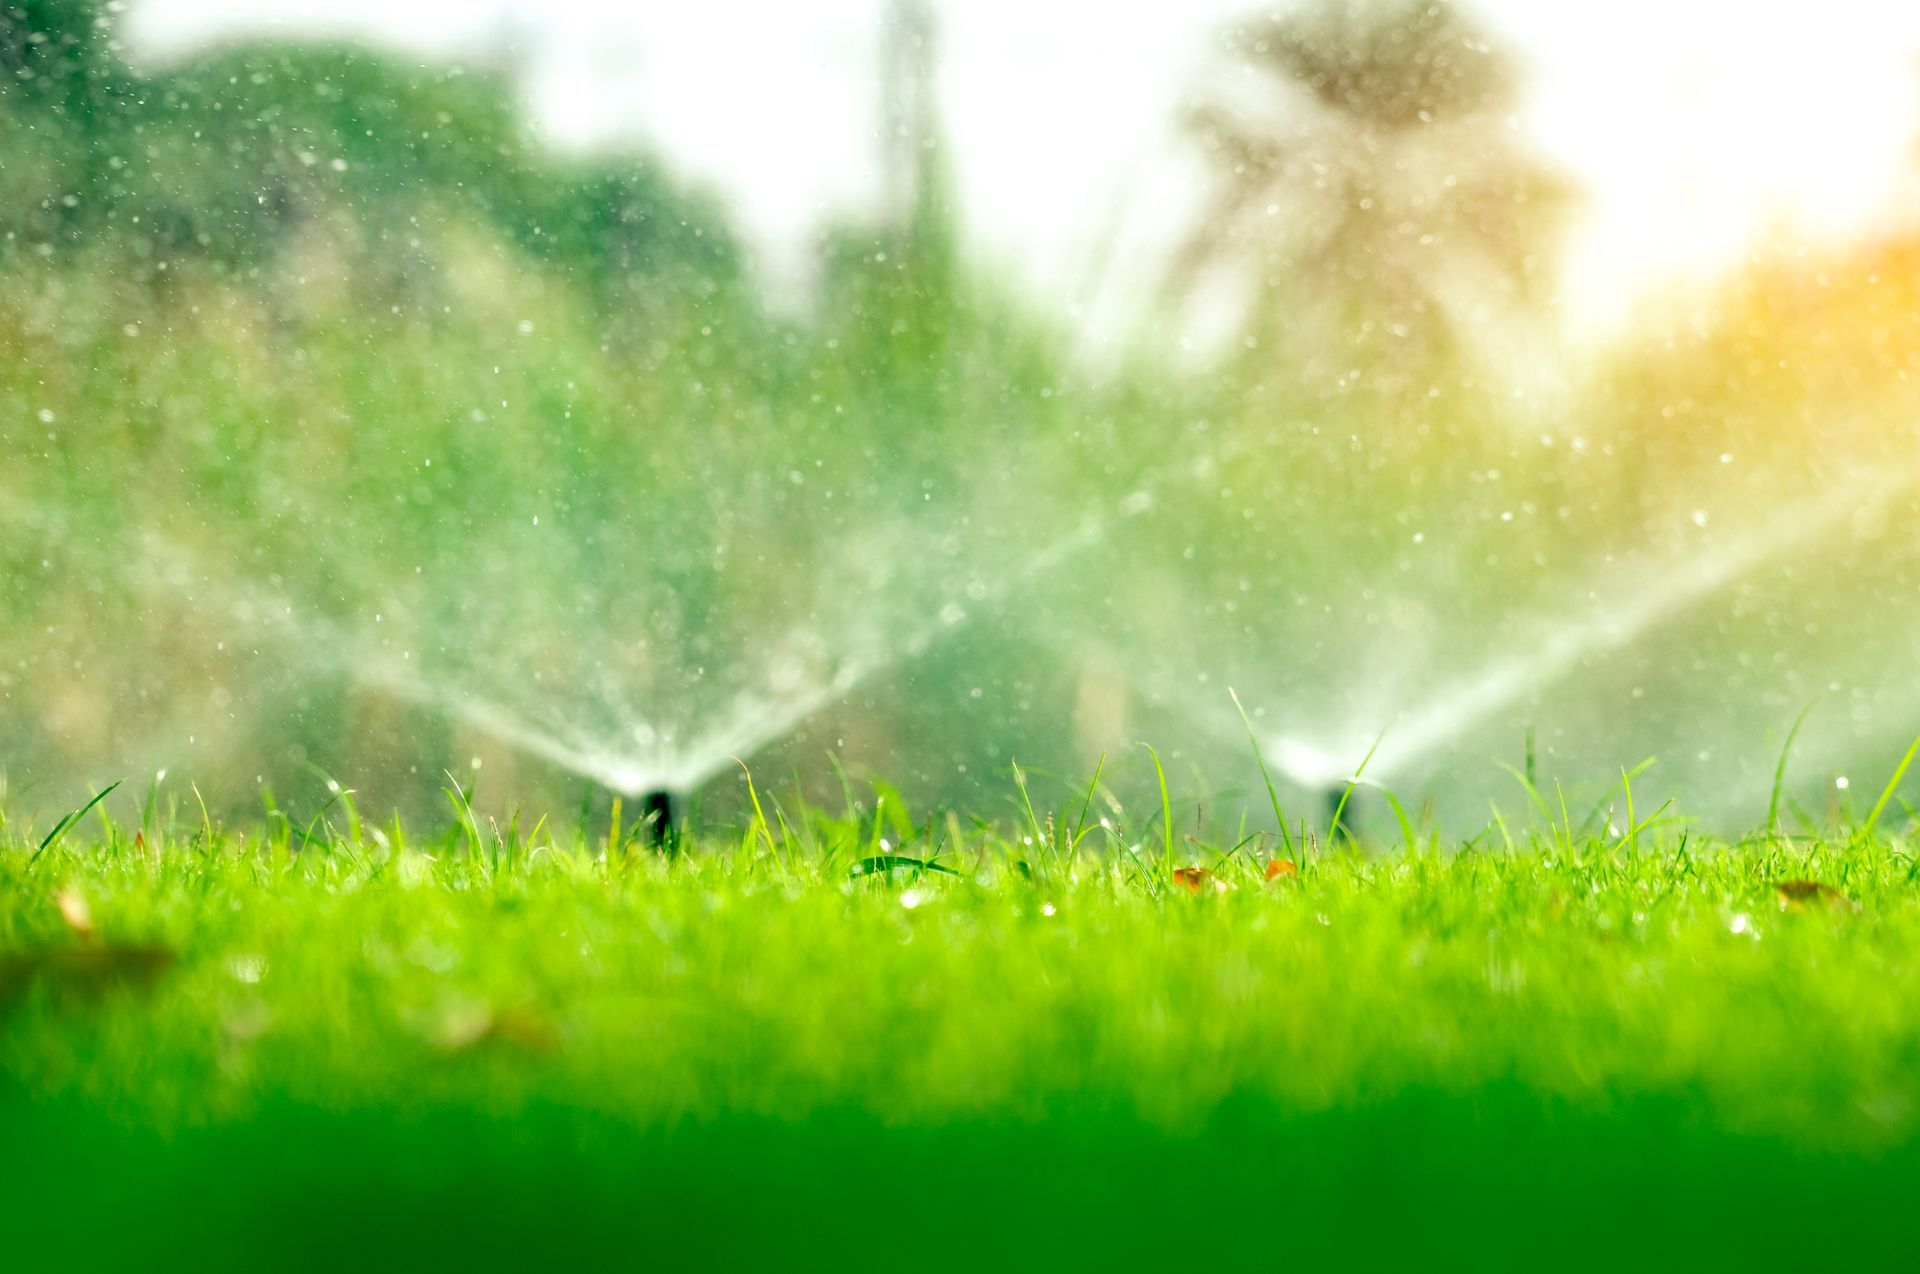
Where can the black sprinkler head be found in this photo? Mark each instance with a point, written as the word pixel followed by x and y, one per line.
pixel 660 821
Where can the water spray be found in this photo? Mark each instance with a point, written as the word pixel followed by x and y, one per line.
pixel 1633 607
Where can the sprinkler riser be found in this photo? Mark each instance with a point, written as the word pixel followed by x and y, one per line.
pixel 659 817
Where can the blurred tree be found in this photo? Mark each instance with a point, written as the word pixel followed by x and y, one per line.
pixel 248 154
pixel 1373 208
pixel 46 47
pixel 892 284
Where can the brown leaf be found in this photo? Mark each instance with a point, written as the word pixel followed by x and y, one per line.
pixel 1196 879
pixel 467 1024
pixel 524 1030
pixel 462 1024
pixel 248 1022
pixel 87 970
pixel 73 910
pixel 1796 895
pixel 1282 869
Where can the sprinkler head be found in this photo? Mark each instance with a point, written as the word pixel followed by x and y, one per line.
pixel 658 817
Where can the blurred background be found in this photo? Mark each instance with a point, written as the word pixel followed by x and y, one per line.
pixel 577 396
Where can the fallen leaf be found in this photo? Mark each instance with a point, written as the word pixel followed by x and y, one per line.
pixel 461 1025
pixel 247 1023
pixel 466 1024
pixel 1195 879
pixel 88 970
pixel 1282 869
pixel 1795 895
pixel 523 1030
pixel 73 910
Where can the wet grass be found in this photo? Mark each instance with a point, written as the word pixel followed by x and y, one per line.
pixel 814 1040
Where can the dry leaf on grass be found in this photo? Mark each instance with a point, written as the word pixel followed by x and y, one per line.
pixel 466 1024
pixel 87 970
pixel 1795 895
pixel 1198 879
pixel 73 910
pixel 1282 869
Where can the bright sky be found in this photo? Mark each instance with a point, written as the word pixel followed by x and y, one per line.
pixel 1694 125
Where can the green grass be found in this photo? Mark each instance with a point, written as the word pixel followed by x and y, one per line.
pixel 794 1045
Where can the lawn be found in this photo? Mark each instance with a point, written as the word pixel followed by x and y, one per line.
pixel 798 1045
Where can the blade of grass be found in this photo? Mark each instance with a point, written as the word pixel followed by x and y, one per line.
pixel 759 815
pixel 1273 795
pixel 60 828
pixel 1886 793
pixel 1780 770
pixel 1533 792
pixel 1334 825
pixel 1080 824
pixel 1400 814
pixel 1626 781
pixel 1166 811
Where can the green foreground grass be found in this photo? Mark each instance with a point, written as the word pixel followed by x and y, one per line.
pixel 218 1050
